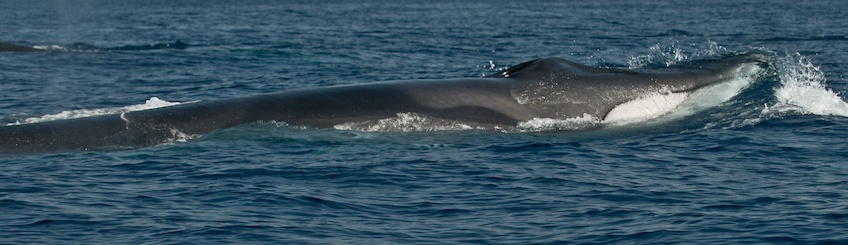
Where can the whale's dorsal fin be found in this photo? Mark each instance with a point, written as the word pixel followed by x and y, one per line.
pixel 513 69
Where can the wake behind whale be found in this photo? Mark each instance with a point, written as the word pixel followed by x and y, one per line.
pixel 9 47
pixel 550 88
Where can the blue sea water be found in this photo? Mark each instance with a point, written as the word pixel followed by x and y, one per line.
pixel 767 166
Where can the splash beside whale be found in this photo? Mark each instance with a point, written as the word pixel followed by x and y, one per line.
pixel 544 88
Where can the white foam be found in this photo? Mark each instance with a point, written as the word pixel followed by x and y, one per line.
pixel 404 122
pixel 549 124
pixel 151 103
pixel 179 136
pixel 50 47
pixel 803 90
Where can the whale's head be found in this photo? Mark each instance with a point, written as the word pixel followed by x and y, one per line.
pixel 558 88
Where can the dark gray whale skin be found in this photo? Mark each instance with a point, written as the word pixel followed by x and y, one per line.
pixel 543 88
pixel 8 47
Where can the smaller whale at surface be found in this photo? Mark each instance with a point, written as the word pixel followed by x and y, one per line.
pixel 8 47
pixel 544 88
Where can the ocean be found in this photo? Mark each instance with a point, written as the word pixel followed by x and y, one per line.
pixel 767 165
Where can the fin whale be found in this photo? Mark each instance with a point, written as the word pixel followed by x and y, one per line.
pixel 543 88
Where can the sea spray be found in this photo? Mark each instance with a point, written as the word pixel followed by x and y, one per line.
pixel 803 90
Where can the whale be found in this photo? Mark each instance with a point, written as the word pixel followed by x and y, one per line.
pixel 8 47
pixel 542 88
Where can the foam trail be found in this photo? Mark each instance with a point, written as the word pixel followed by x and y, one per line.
pixel 549 124
pixel 803 90
pixel 151 103
pixel 404 122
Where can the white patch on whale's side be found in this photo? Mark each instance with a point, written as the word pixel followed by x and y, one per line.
pixel 645 108
pixel 670 106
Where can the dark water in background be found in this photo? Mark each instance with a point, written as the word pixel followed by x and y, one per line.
pixel 768 166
